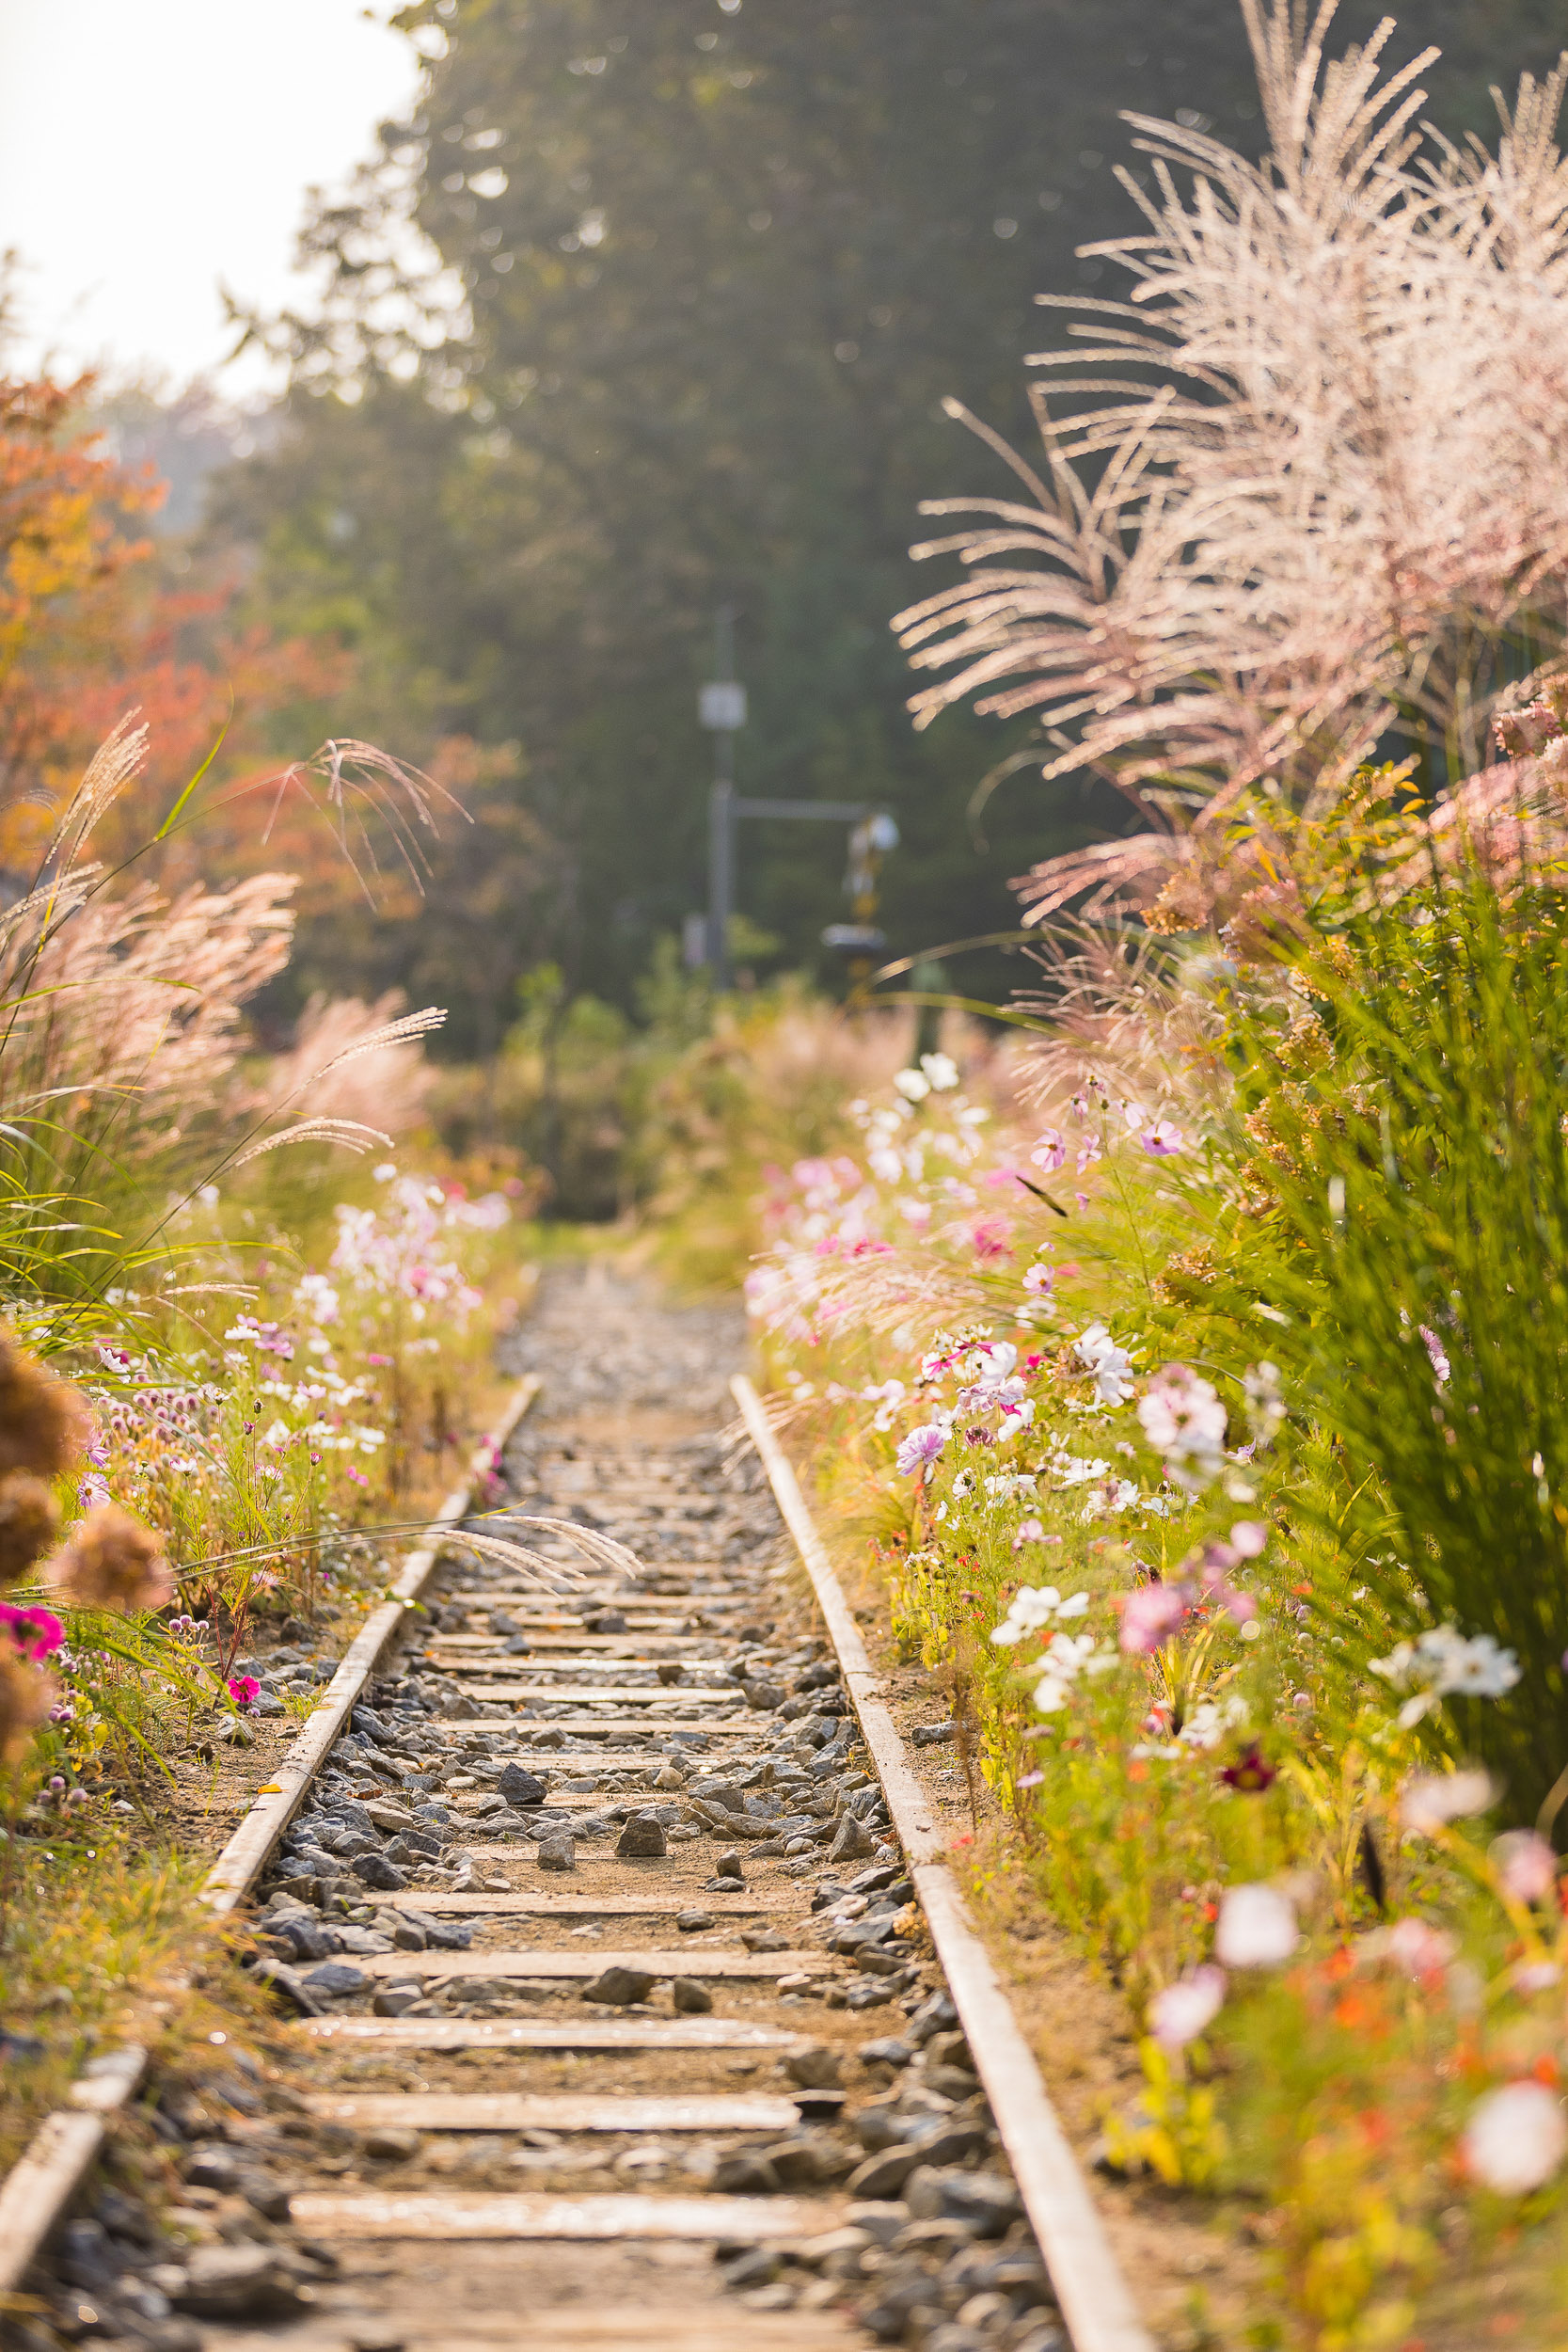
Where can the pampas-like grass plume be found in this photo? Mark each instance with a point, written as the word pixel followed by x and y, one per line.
pixel 1308 484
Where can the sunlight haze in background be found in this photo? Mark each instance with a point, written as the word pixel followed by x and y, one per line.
pixel 150 148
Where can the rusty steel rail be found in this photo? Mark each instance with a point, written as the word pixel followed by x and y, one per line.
pixel 1095 2300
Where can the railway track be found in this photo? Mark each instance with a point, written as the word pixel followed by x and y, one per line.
pixel 615 1925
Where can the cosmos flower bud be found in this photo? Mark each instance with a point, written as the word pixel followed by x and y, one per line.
pixel 29 1522
pixel 25 1698
pixel 44 1426
pixel 111 1561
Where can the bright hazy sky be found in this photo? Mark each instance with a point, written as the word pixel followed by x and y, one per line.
pixel 150 148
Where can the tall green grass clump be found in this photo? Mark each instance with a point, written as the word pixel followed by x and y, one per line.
pixel 1421 1171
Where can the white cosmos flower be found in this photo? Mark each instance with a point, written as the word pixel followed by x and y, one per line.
pixel 942 1073
pixel 1179 2014
pixel 913 1085
pixel 1435 1799
pixel 1516 2137
pixel 1442 1661
pixel 1071 1469
pixel 1032 1607
pixel 1257 1928
pixel 1111 1365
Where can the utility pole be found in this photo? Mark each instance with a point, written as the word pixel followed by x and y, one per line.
pixel 722 708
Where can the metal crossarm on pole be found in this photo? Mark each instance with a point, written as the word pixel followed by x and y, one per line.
pixel 835 812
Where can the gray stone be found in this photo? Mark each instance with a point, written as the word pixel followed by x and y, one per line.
pixel 362 1943
pixel 605 1621
pixel 374 1871
pixel 392 2143
pixel 883 2175
pixel 952 2082
pixel 264 2194
pixel 764 1696
pixel 396 2000
pixel 745 2176
pixel 619 1986
pixel 671 1670
pixel 807 2159
pixel 728 1866
pixel 694 1922
pixel 336 1981
pixel 888 2051
pixel 306 1937
pixel 813 2069
pixel 953 2144
pixel 213 2168
pixel 519 1787
pixel 853 1841
pixel 984 2202
pixel 234 2282
pixel 451 1935
pixel 383 1814
pixel 937 2015
pixel 642 1839
pixel 691 1998
pixel 882 2221
pixel 932 1735
pixel 558 1853
pixel 289 1984
pixel 754 2268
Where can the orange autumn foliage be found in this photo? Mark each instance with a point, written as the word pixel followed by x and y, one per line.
pixel 90 628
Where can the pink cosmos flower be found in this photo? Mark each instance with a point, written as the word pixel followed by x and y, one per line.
pixel 1160 1140
pixel 1420 1951
pixel 1150 1614
pixel 1038 1280
pixel 1178 2014
pixel 920 1446
pixel 245 1690
pixel 34 1632
pixel 1050 1152
pixel 1525 1863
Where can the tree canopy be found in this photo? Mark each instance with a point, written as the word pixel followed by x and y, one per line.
pixel 696 279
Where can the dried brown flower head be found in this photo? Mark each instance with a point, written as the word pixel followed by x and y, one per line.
pixel 25 1698
pixel 43 1422
pixel 112 1561
pixel 29 1522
